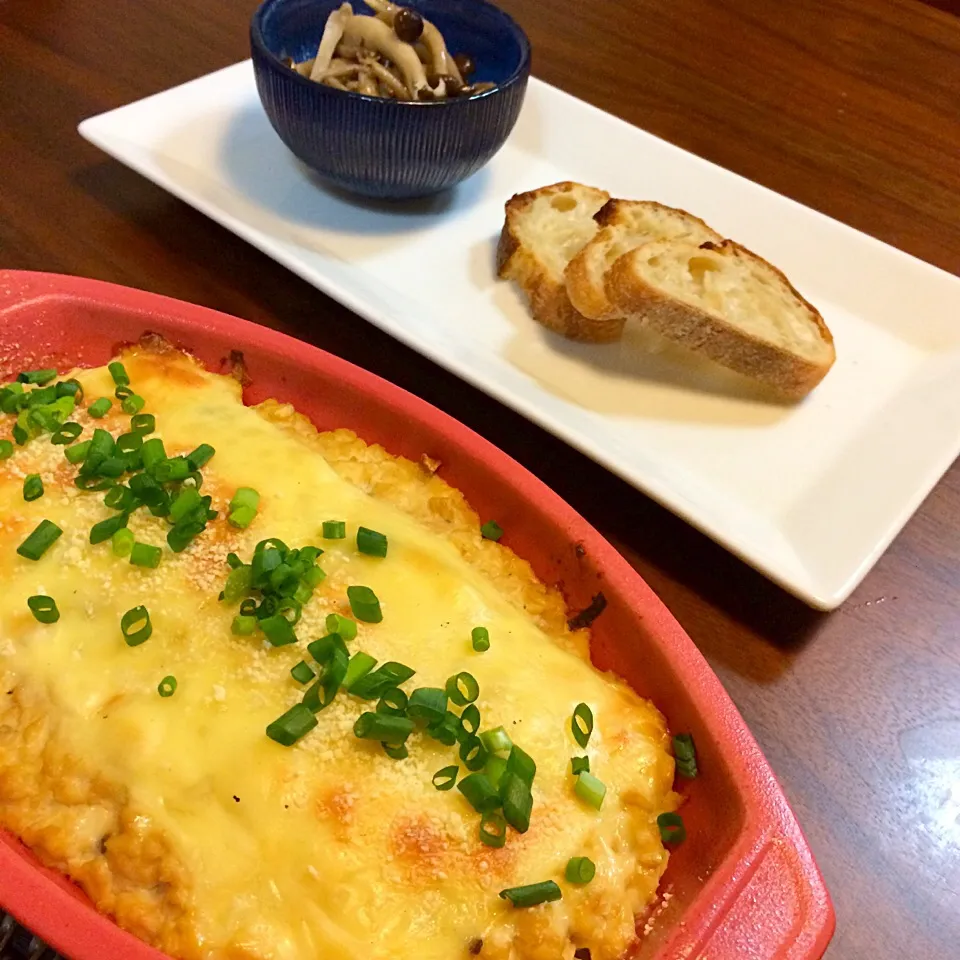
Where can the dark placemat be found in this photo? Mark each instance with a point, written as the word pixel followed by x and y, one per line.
pixel 18 943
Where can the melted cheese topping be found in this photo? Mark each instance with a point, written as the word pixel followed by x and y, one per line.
pixel 327 849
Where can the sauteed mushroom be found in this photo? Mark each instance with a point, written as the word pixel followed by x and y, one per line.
pixel 395 54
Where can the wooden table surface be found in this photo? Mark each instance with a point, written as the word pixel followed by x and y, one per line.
pixel 849 106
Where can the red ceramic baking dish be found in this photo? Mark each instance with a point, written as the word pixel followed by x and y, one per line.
pixel 744 884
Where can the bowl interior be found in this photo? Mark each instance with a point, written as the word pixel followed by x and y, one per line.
pixel 293 28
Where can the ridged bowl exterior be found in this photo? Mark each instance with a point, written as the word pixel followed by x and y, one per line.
pixel 381 148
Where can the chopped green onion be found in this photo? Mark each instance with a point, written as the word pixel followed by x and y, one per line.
pixel 70 388
pixel 120 498
pixel 582 724
pixel 517 801
pixel 122 542
pixel 302 672
pixel 395 751
pixel 129 442
pixel 201 456
pixel 671 828
pixel 493 829
pixel 479 792
pixel 335 664
pixel 32 487
pixel 389 674
pixel 100 408
pixel 346 627
pixel 496 740
pixel 532 894
pixel 393 701
pixel 119 373
pixel 171 469
pixel 93 484
pixel 371 543
pixel 167 687
pixel 135 626
pixel 278 630
pixel 446 778
pixel 292 609
pixel 445 730
pixel 480 637
pixel 359 666
pixel 238 584
pixel 590 789
pixel 579 765
pixel 144 555
pixel 152 452
pixel 143 423
pixel 43 608
pixel 112 467
pixel 234 561
pixel 495 769
pixel 39 377
pixel 364 604
pixel 295 723
pixel 245 497
pixel 324 649
pixel 77 452
pixel 580 870
pixel 473 753
pixel 470 720
pixel 243 626
pixel 462 688
pixel 491 530
pixel 309 555
pixel 6 449
pixel 185 503
pixel 66 434
pixel 242 517
pixel 39 541
pixel 20 435
pixel 105 529
pixel 522 765
pixel 314 577
pixel 274 543
pixel 334 529
pixel 182 535
pixel 428 704
pixel 686 755
pixel 122 392
pixel 383 727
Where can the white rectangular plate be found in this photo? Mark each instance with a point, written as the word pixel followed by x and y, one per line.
pixel 810 495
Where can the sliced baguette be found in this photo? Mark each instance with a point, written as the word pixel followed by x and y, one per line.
pixel 625 225
pixel 728 304
pixel 542 230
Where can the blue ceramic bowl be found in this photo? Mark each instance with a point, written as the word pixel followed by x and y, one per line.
pixel 391 148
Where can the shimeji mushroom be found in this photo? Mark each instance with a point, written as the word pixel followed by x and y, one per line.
pixel 332 35
pixel 440 61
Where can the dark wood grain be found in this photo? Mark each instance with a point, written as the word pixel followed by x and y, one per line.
pixel 850 106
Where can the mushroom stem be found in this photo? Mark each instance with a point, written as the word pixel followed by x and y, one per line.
pixel 332 33
pixel 440 61
pixel 366 84
pixel 388 78
pixel 376 35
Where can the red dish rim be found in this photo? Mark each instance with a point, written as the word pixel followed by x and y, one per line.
pixel 727 918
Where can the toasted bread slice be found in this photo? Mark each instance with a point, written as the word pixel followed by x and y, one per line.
pixel 624 225
pixel 728 304
pixel 543 229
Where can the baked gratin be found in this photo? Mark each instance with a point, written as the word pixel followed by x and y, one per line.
pixel 275 694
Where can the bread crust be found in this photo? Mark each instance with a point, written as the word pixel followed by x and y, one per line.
pixel 791 376
pixel 547 295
